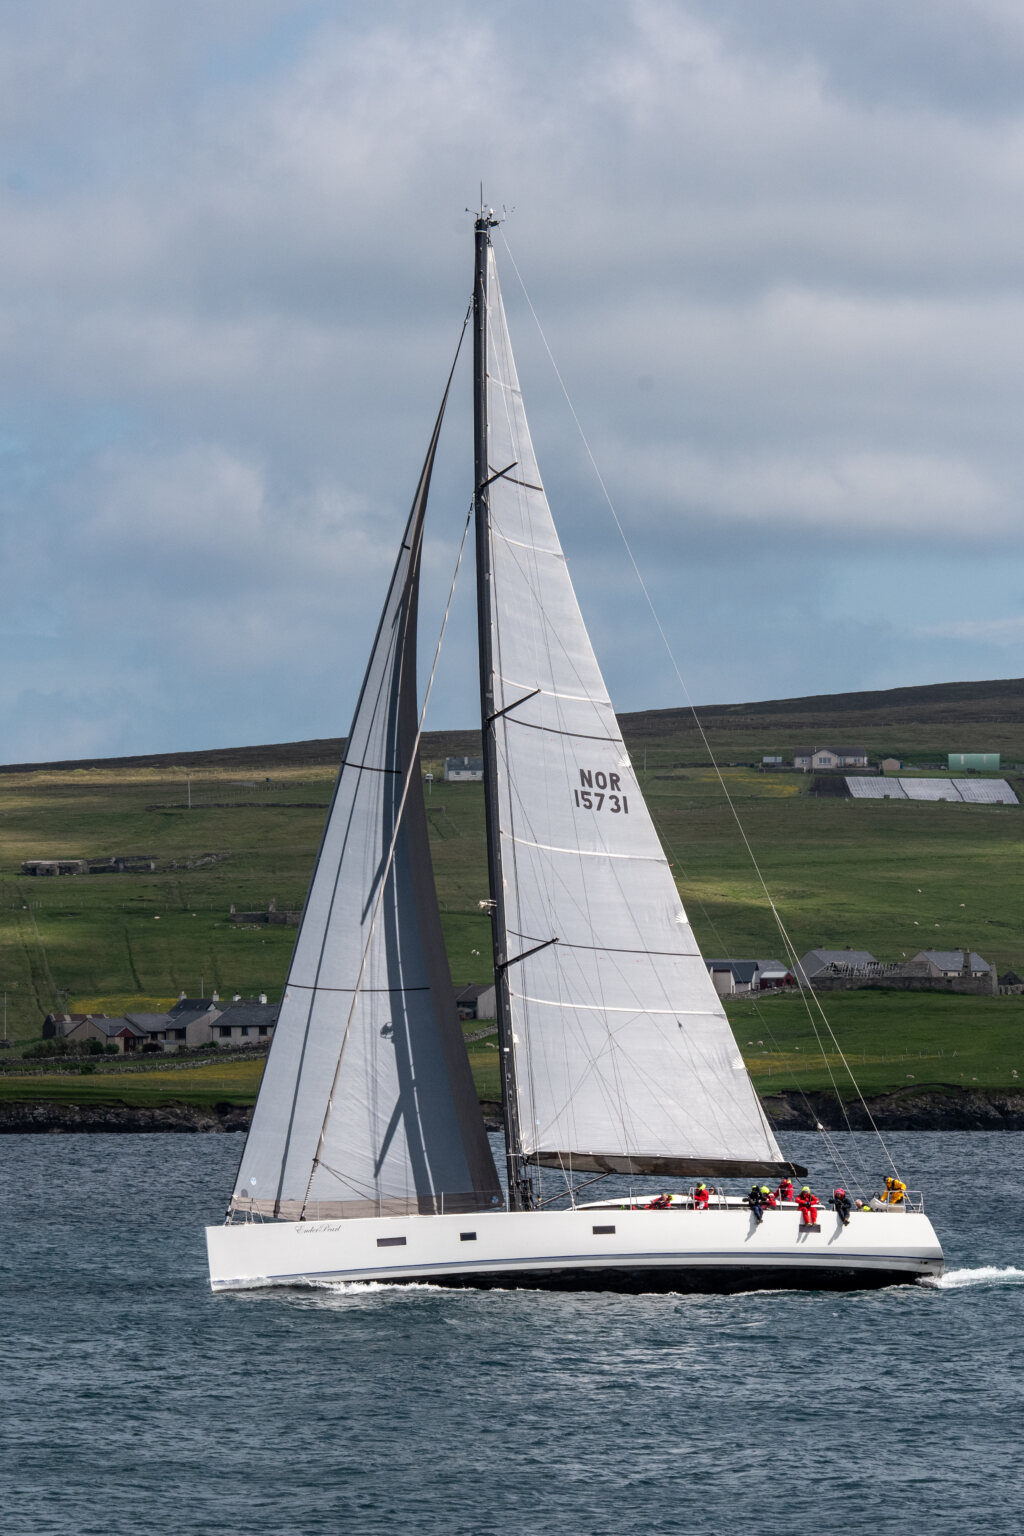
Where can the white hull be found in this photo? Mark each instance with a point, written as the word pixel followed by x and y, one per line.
pixel 587 1249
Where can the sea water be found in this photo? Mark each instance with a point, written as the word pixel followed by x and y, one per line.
pixel 132 1401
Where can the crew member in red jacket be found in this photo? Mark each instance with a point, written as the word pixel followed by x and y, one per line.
pixel 785 1189
pixel 701 1196
pixel 808 1203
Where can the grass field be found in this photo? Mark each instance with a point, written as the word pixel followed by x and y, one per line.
pixel 891 877
pixel 219 1082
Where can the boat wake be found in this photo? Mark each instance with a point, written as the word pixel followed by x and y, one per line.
pixel 988 1274
pixel 362 1287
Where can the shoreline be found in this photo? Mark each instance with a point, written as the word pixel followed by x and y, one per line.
pixel 940 1107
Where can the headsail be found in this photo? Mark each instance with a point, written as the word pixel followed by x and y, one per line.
pixel 367 1104
pixel 624 1059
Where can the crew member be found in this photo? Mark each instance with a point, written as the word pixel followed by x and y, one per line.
pixel 701 1196
pixel 895 1192
pixel 661 1203
pixel 756 1202
pixel 785 1189
pixel 843 1205
pixel 808 1203
pixel 769 1199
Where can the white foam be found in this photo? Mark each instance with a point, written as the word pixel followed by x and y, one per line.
pixel 362 1287
pixel 988 1274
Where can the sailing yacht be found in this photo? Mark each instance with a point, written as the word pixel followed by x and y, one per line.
pixel 367 1157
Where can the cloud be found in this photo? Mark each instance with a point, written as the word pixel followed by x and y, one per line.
pixel 778 265
pixel 1008 631
pixel 855 496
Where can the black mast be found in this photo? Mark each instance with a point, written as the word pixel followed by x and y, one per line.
pixel 520 1188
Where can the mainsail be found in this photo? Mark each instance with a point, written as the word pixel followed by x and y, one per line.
pixel 367 1105
pixel 623 1057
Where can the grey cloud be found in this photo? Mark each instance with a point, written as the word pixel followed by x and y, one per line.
pixel 775 250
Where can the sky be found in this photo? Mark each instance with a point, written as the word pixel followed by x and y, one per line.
pixel 777 252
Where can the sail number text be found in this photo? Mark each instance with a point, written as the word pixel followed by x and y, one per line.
pixel 601 792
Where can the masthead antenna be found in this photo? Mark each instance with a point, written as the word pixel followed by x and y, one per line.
pixel 485 217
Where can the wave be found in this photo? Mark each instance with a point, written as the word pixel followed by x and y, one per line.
pixel 987 1274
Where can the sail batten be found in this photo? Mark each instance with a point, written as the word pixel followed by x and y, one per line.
pixel 622 1049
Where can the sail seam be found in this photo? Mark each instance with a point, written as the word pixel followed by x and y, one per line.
pixel 585 853
pixel 557 554
pixel 640 1013
pixel 307 986
pixel 571 698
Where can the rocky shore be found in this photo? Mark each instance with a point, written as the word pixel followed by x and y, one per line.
pixel 42 1118
pixel 923 1108
pixel 938 1107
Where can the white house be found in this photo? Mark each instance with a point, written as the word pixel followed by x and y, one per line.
pixel 463 770
pixel 813 758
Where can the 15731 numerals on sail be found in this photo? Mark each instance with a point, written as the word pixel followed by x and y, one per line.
pixel 601 792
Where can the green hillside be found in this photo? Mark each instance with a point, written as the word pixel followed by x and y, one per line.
pixel 891 876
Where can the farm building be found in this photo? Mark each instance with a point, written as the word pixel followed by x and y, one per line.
pixel 463 770
pixel 953 962
pixel 736 978
pixel 973 762
pixel 733 978
pixel 890 765
pixel 476 1002
pixel 818 962
pixel 54 867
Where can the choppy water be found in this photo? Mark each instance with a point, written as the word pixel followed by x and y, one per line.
pixel 132 1401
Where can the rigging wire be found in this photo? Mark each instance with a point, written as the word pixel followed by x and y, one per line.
pixel 807 992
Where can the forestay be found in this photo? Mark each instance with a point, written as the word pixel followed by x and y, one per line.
pixel 624 1058
pixel 367 1104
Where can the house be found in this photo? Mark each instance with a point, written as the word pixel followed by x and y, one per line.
pixel 476 1002
pixel 819 962
pixel 463 770
pixel 121 1032
pixel 809 758
pixel 160 1030
pixel 953 962
pixel 891 765
pixel 245 1022
pixel 733 978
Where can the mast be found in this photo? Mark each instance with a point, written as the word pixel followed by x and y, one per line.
pixel 520 1188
